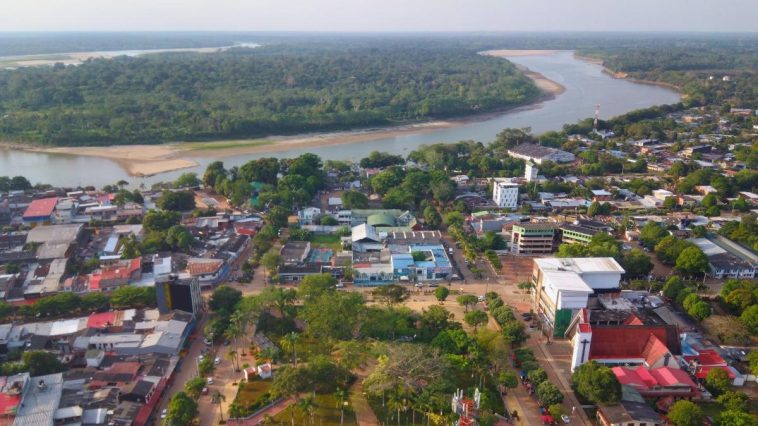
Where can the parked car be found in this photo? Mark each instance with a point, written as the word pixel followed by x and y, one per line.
pixel 217 361
pixel 207 342
pixel 210 380
pixel 164 413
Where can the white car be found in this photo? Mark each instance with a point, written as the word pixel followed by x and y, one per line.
pixel 207 342
pixel 210 380
pixel 164 413
pixel 217 361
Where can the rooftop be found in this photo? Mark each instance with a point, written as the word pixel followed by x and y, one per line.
pixel 579 265
pixel 40 208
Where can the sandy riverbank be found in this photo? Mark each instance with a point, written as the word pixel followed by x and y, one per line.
pixel 147 160
pixel 137 160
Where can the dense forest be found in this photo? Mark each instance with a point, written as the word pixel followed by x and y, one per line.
pixel 276 89
pixel 707 71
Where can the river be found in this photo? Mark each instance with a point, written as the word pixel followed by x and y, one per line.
pixel 586 86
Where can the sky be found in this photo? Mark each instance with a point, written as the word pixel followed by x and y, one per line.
pixel 379 15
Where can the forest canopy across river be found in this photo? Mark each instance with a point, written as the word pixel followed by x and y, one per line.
pixel 242 93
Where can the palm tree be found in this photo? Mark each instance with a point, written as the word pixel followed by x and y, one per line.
pixel 341 396
pixel 217 398
pixel 289 343
pixel 308 405
pixel 231 355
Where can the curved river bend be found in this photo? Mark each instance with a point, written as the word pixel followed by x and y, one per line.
pixel 586 85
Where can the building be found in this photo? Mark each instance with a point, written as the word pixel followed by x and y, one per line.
pixel 539 153
pixel 534 238
pixel 573 234
pixel 631 343
pixel 208 272
pixel 531 172
pixel 40 211
pixel 505 193
pixel 726 259
pixel 657 382
pixel 563 287
pixel 628 413
pixel 420 262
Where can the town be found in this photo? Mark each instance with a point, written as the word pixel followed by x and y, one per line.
pixel 604 274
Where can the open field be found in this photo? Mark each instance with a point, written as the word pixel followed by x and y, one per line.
pixel 326 413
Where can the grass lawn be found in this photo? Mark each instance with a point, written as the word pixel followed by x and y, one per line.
pixel 325 414
pixel 250 394
pixel 327 241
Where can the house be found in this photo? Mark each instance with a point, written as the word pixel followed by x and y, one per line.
pixel 308 215
pixel 657 382
pixel 629 413
pixel 601 195
pixel 40 211
pixel 538 153
pixel 122 272
pixel 505 193
pixel 208 272
pixel 563 287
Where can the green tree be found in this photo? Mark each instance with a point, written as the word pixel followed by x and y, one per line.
pixel 749 317
pixel 467 301
pixel 41 363
pixel 354 200
pixel 391 294
pixel 734 400
pixel 636 263
pixel 313 286
pixel 597 383
pixel 475 319
pixel 433 320
pixel 651 234
pixel 180 201
pixel 717 381
pixel 289 344
pixel 508 379
pixel 271 261
pixel 453 218
pixel 692 261
pixel 133 297
pixel 672 287
pixel 514 332
pixel 187 180
pixel 686 413
pixel 224 298
pixel 700 310
pixel 736 418
pixel 549 394
pixel 432 217
pixel 441 294
pixel 537 376
pixel 194 386
pixel 181 410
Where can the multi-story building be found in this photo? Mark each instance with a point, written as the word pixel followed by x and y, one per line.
pixel 505 193
pixel 534 238
pixel 573 234
pixel 563 286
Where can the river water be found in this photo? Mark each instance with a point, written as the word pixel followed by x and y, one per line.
pixel 586 86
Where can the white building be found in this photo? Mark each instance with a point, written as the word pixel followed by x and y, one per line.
pixel 539 153
pixel 563 287
pixel 505 193
pixel 531 172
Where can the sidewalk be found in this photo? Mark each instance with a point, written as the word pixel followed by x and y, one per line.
pixel 555 376
pixel 364 415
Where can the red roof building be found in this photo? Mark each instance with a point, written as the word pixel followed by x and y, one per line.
pixel 705 361
pixel 120 273
pixel 40 210
pixel 657 382
pixel 102 320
